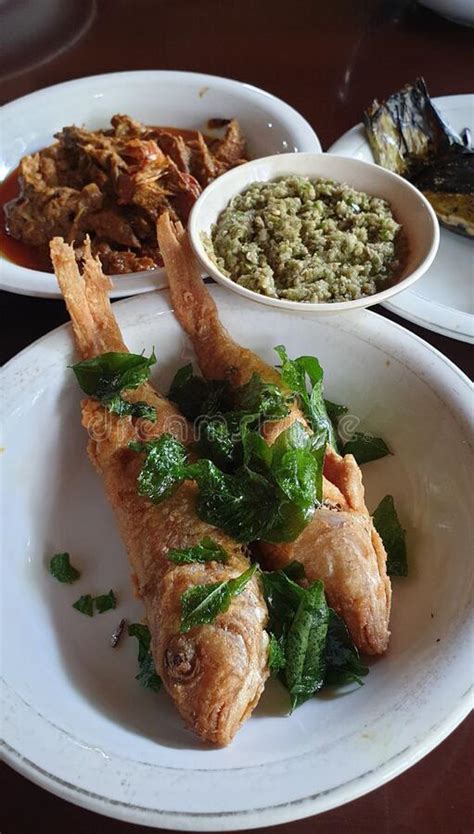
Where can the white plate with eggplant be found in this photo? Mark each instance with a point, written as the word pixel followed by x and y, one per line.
pixel 430 142
pixel 297 627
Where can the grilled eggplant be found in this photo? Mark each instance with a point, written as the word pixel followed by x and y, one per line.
pixel 408 135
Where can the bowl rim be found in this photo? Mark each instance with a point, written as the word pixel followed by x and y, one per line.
pixel 296 122
pixel 303 306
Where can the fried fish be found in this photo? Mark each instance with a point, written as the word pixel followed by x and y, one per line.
pixel 215 673
pixel 340 544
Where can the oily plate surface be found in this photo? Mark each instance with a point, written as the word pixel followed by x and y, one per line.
pixel 443 299
pixel 77 722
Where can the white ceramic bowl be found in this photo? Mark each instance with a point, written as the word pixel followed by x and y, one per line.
pixel 179 99
pixel 409 207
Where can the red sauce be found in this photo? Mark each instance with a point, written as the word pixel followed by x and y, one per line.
pixel 33 257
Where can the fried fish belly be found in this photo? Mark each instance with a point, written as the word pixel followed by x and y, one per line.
pixel 215 673
pixel 340 545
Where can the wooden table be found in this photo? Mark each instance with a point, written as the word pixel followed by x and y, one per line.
pixel 328 60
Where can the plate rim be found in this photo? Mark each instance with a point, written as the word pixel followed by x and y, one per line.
pixel 269 815
pixel 151 279
pixel 466 332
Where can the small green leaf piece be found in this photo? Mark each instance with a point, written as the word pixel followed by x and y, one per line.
pixel 343 663
pixel 296 374
pixel 85 605
pixel 276 654
pixel 206 551
pixel 105 377
pixel 111 373
pixel 147 676
pixel 393 536
pixel 202 603
pixel 365 447
pixel 306 646
pixel 164 467
pixel 60 567
pixel 105 602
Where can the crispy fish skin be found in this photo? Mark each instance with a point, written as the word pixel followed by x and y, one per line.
pixel 340 544
pixel 215 673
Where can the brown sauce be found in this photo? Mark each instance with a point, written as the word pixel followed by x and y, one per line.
pixel 37 257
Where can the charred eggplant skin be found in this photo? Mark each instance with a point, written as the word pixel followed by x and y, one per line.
pixel 408 135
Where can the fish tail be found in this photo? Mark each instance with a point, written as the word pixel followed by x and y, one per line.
pixel 87 299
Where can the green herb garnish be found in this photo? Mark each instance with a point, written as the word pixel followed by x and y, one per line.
pixel 306 646
pixel 276 655
pixel 60 567
pixel 85 605
pixel 393 536
pixel 164 466
pixel 365 447
pixel 197 397
pixel 105 377
pixel 343 663
pixel 147 676
pixel 202 603
pixel 206 551
pixel 296 374
pixel 265 399
pixel 272 496
pixel 310 646
pixel 105 602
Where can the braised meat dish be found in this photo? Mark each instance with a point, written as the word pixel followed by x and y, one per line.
pixel 113 185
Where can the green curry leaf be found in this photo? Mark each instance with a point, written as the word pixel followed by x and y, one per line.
pixel 393 536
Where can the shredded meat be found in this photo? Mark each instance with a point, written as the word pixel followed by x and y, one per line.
pixel 114 184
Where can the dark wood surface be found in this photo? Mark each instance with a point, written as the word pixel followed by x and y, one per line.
pixel 327 59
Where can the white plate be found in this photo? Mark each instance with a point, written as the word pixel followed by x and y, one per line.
pixel 75 720
pixel 443 300
pixel 178 99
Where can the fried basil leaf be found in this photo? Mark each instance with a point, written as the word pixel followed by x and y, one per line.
pixel 294 570
pixel 295 374
pixel 105 377
pixel 197 397
pixel 111 373
pixel 335 411
pixel 243 504
pixel 276 654
pixel 117 405
pixel 85 605
pixel 60 567
pixel 105 602
pixel 164 467
pixel 262 398
pixel 206 551
pixel 272 497
pixel 365 447
pixel 306 646
pixel 343 663
pixel 316 645
pixel 146 676
pixel 393 536
pixel 297 466
pixel 202 603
